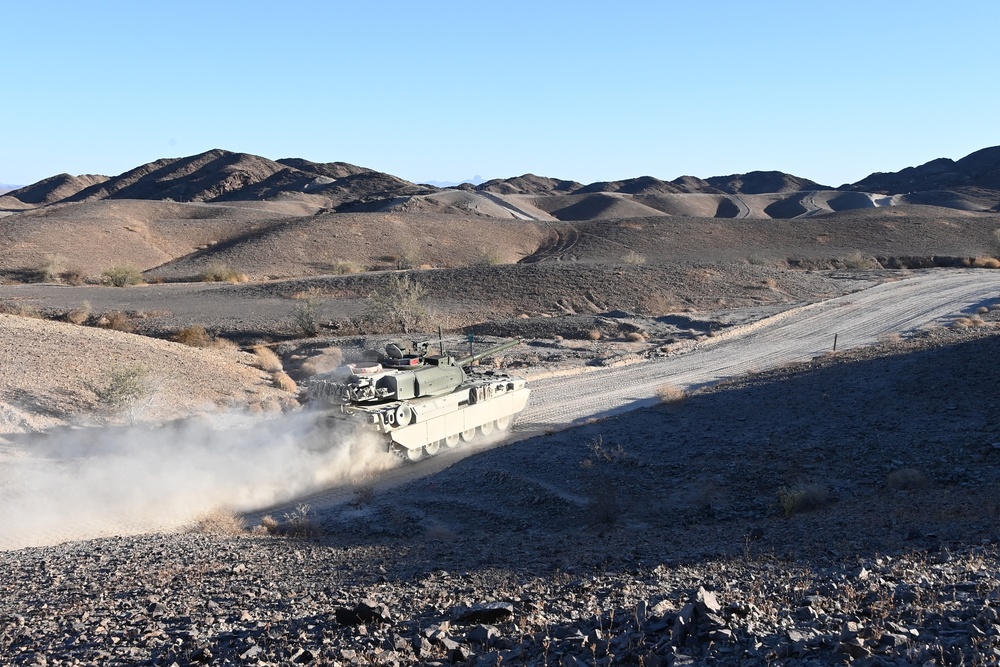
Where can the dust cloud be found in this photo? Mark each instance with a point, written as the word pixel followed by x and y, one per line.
pixel 87 483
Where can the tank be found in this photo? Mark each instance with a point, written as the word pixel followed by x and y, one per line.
pixel 422 402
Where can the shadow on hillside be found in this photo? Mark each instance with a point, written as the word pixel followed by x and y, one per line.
pixel 847 460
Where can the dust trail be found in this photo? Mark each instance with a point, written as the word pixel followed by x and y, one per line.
pixel 89 483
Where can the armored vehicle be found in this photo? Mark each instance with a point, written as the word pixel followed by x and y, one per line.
pixel 422 402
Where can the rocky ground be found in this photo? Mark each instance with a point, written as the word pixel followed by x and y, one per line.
pixel 842 511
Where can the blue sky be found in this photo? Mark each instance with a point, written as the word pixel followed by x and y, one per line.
pixel 579 90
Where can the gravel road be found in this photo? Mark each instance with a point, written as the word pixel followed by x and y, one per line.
pixel 800 333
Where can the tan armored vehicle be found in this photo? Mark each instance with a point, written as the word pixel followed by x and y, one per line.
pixel 423 402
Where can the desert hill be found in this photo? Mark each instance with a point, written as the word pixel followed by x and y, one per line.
pixel 971 184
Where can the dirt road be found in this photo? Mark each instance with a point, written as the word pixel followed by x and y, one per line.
pixel 797 334
pixel 861 318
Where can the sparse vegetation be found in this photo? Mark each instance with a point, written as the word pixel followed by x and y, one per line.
pixel 489 256
pixel 116 321
pixel 986 263
pixel 220 273
pixel 267 359
pixel 50 269
pixel 298 523
pixel 633 258
pixel 306 311
pixel 21 310
pixel 221 522
pixel 594 334
pixel 635 337
pixel 80 315
pixel 123 387
pixel 397 305
pixel 857 261
pixel 122 275
pixel 284 382
pixel 194 336
pixel 669 393
pixel 345 267
pixel 802 498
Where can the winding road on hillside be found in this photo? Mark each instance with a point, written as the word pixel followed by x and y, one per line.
pixel 930 297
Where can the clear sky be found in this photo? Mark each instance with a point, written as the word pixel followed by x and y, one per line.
pixel 441 90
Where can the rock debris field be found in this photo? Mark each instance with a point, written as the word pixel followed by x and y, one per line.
pixel 840 511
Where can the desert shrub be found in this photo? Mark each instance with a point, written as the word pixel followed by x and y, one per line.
pixel 73 277
pixel 635 337
pixel 220 273
pixel 306 311
pixel 982 310
pixel 49 270
pixel 122 275
pixel 298 523
pixel 267 359
pixel 345 267
pixel 802 498
pixel 858 262
pixel 966 322
pixel 285 383
pixel 123 387
pixel 21 310
pixel 194 336
pixel 633 258
pixel 603 507
pixel 396 305
pixel 594 334
pixel 116 321
pixel 221 522
pixel 669 393
pixel 906 479
pixel 986 263
pixel 80 315
pixel 489 256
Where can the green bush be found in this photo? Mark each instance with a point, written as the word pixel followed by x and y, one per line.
pixel 122 275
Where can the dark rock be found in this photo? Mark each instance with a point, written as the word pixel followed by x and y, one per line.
pixel 302 656
pixel 489 612
pixel 481 634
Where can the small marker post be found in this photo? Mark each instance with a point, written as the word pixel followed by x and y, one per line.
pixel 834 342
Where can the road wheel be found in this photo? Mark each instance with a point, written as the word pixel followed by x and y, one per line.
pixel 486 428
pixel 470 435
pixel 432 448
pixel 452 441
pixel 503 423
pixel 413 454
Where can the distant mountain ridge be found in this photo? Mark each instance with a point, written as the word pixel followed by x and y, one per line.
pixel 970 183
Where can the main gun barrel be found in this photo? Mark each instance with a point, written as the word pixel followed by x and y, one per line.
pixel 472 358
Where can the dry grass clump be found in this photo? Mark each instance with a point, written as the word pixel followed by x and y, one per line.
pixel 267 360
pixel 858 262
pixel 982 310
pixel 21 310
pixel 221 522
pixel 594 334
pixel 490 256
pixel 116 321
pixel 122 275
pixel 633 258
pixel 193 336
pixel 220 273
pixel 298 523
pixel 74 277
pixel 49 270
pixel 345 267
pixel 630 225
pixel 966 322
pixel 285 383
pixel 986 263
pixel 80 315
pixel 907 479
pixel 802 498
pixel 635 337
pixel 669 393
